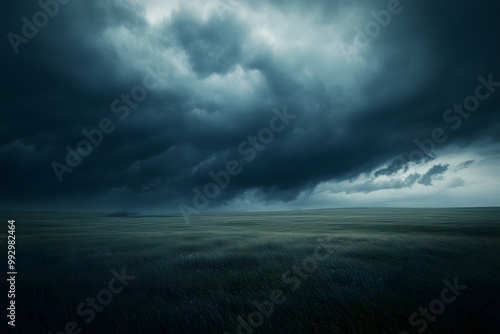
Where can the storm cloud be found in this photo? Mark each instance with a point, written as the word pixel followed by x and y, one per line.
pixel 181 86
pixel 434 173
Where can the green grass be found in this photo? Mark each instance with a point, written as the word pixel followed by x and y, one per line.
pixel 384 264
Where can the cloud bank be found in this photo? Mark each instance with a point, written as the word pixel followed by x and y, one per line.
pixel 183 84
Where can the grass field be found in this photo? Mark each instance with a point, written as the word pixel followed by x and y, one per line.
pixel 320 271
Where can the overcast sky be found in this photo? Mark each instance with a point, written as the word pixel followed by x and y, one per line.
pixel 287 104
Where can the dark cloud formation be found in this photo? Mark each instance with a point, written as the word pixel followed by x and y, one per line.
pixel 465 164
pixel 372 185
pixel 213 47
pixel 219 75
pixel 432 174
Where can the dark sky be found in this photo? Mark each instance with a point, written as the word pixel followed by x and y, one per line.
pixel 295 98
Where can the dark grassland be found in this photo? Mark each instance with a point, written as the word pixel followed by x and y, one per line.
pixel 383 265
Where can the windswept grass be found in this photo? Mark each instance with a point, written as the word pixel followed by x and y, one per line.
pixel 383 265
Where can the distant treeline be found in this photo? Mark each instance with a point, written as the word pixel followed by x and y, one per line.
pixel 122 214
